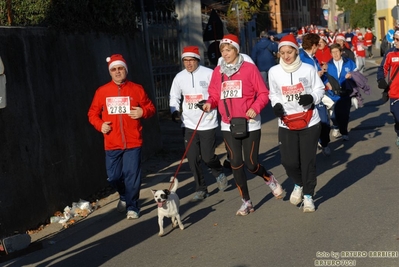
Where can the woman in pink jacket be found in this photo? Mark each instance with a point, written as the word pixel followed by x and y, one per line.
pixel 239 92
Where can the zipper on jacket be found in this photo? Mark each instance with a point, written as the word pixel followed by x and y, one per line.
pixel 192 79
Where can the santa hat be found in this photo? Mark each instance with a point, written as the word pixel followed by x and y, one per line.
pixel 231 39
pixel 368 30
pixel 300 32
pixel 359 35
pixel 397 32
pixel 290 40
pixel 357 30
pixel 324 38
pixel 116 59
pixel 191 51
pixel 340 36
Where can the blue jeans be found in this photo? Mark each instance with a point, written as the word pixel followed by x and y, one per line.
pixel 124 174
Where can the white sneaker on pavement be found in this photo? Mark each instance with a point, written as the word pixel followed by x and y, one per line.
pixel 296 195
pixel 308 204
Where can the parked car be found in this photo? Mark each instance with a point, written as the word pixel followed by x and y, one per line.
pixel 385 46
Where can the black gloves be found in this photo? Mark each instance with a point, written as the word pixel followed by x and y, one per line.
pixel 175 115
pixel 382 84
pixel 305 100
pixel 200 104
pixel 385 96
pixel 278 110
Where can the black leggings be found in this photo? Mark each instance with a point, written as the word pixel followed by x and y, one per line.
pixel 249 146
pixel 298 155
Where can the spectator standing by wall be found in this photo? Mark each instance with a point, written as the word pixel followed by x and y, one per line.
pixel 263 54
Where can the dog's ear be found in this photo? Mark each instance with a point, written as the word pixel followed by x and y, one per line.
pixel 153 191
pixel 167 192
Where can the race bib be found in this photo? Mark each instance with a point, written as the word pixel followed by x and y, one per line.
pixel 231 89
pixel 118 105
pixel 191 100
pixel 395 59
pixel 360 48
pixel 292 92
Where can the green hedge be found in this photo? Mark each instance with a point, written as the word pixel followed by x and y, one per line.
pixel 73 15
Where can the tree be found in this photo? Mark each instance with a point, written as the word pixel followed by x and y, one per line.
pixel 246 10
pixel 361 13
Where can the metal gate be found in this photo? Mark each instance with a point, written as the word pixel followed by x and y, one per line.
pixel 163 29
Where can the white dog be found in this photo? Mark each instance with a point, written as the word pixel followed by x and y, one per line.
pixel 168 206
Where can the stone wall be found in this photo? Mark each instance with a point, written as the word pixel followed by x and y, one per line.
pixel 50 156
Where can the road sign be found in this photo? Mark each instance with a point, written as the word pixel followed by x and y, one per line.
pixel 395 12
pixel 390 35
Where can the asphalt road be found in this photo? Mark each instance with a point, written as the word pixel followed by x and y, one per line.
pixel 355 224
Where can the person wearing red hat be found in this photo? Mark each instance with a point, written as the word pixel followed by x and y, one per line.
pixel 368 40
pixel 360 53
pixel 192 83
pixel 346 51
pixel 389 69
pixel 239 92
pixel 295 88
pixel 323 54
pixel 116 111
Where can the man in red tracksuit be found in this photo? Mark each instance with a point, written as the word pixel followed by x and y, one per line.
pixel 115 111
pixel 368 41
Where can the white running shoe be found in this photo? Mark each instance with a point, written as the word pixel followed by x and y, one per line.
pixel 246 208
pixel 335 133
pixel 296 195
pixel 132 215
pixel 276 188
pixel 308 204
pixel 355 102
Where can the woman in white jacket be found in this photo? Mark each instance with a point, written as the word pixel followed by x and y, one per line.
pixel 294 90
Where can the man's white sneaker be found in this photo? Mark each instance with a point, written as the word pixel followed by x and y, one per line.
pixel 296 195
pixel 335 133
pixel 132 215
pixel 308 204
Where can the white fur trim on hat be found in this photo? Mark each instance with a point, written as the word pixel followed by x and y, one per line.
pixel 231 39
pixel 190 54
pixel 290 40
pixel 117 62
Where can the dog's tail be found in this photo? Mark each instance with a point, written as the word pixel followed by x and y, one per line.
pixel 175 184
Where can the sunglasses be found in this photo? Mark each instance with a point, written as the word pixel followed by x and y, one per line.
pixel 118 68
pixel 396 39
pixel 189 60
